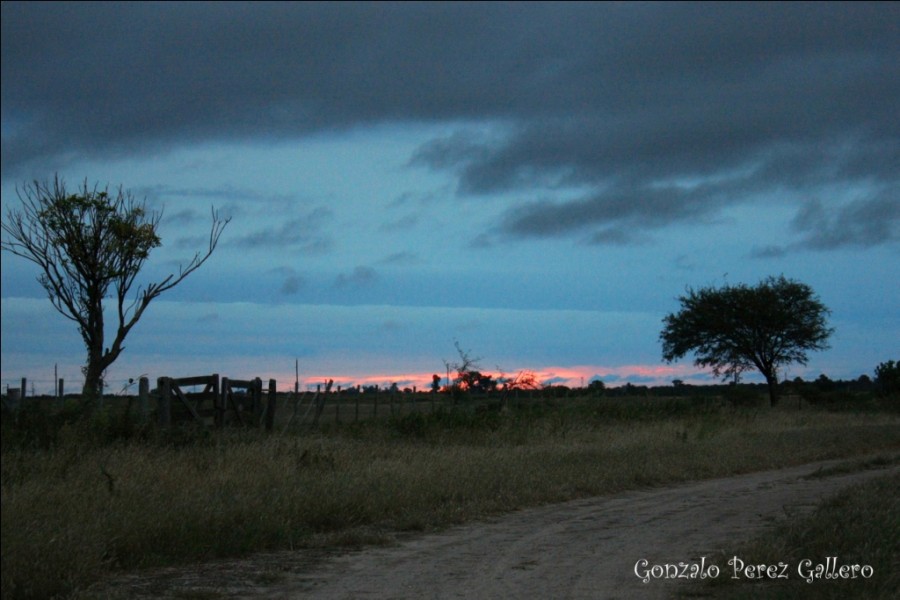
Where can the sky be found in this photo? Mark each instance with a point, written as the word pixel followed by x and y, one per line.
pixel 535 183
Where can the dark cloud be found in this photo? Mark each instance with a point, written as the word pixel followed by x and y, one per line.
pixel 183 217
pixel 404 257
pixel 360 276
pixel 420 199
pixel 615 237
pixel 304 233
pixel 226 192
pixel 770 251
pixel 863 223
pixel 228 201
pixel 400 225
pixel 454 151
pixel 191 242
pixel 291 281
pixel 614 213
pixel 292 284
pixel 634 103
pixel 483 240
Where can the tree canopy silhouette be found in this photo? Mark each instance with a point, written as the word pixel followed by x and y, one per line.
pixel 88 244
pixel 736 328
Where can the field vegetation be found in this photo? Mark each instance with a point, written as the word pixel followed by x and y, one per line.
pixel 84 497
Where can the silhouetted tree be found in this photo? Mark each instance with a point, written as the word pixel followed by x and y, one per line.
pixel 887 377
pixel 597 386
pixel 735 328
pixel 86 243
pixel 476 381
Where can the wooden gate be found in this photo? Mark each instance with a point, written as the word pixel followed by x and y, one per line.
pixel 235 402
pixel 242 403
pixel 178 406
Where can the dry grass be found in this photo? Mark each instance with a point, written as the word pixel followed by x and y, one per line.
pixel 75 512
pixel 859 526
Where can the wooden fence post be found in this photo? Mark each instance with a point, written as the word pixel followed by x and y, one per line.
pixel 164 388
pixel 143 396
pixel 218 404
pixel 225 395
pixel 270 406
pixel 256 399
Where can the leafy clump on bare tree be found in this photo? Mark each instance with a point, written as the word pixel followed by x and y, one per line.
pixel 91 245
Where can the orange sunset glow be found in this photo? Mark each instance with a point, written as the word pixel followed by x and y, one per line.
pixel 570 376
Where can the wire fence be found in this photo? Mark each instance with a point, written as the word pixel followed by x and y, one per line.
pixel 48 386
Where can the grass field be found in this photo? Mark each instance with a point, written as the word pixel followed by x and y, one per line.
pixel 79 509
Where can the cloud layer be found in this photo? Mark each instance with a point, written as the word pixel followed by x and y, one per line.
pixel 655 113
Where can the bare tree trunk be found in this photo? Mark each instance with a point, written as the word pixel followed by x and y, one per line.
pixel 97 364
pixel 93 378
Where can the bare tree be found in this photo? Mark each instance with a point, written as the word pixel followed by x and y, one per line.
pixel 88 243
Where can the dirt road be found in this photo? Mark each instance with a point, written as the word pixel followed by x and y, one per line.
pixel 581 549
